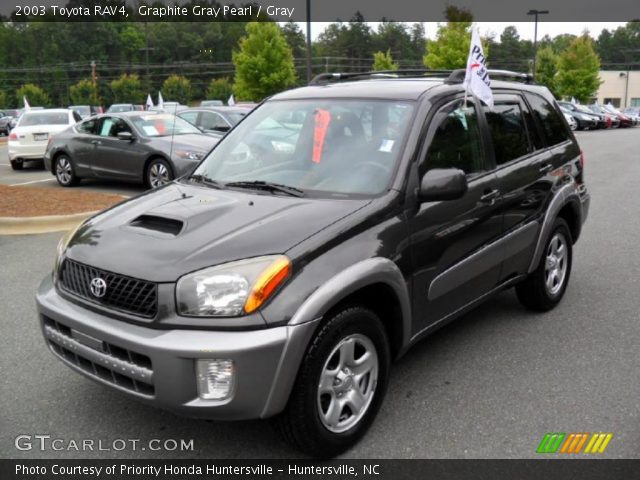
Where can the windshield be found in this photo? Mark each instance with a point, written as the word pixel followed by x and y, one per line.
pixel 29 119
pixel 162 125
pixel 120 108
pixel 333 147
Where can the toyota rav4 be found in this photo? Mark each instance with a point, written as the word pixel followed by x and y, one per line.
pixel 328 232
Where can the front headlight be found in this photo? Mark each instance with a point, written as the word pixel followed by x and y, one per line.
pixel 62 246
pixel 232 289
pixel 189 155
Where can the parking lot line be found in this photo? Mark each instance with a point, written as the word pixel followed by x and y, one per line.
pixel 32 181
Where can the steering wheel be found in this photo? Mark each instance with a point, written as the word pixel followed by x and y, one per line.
pixel 370 163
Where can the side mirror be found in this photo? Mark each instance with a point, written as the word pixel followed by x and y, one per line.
pixel 126 136
pixel 443 184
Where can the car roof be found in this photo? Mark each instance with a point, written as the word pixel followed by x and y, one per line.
pixel 52 110
pixel 393 89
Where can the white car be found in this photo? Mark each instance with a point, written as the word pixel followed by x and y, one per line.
pixel 28 140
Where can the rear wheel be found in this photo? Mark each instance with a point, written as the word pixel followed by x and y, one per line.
pixel 15 165
pixel 64 172
pixel 340 385
pixel 159 173
pixel 545 287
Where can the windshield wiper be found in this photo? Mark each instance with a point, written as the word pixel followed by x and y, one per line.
pixel 269 186
pixel 210 182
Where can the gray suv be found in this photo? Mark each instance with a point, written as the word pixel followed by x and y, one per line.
pixel 322 237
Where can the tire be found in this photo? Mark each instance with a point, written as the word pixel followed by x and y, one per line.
pixel 64 171
pixel 158 173
pixel 307 423
pixel 17 165
pixel 544 288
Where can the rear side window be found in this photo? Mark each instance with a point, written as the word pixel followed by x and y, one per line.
pixel 553 126
pixel 508 132
pixel 88 127
pixel 456 140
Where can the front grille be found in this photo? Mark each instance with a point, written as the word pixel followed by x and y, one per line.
pixel 113 364
pixel 126 294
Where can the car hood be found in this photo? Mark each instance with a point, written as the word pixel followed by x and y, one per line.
pixel 215 227
pixel 197 142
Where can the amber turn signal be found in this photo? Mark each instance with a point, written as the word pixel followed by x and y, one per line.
pixel 267 283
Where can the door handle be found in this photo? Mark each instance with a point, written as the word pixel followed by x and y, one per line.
pixel 96 142
pixel 490 196
pixel 546 168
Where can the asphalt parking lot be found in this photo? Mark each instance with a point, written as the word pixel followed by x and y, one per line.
pixel 489 385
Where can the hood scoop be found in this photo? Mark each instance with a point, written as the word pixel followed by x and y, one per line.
pixel 169 226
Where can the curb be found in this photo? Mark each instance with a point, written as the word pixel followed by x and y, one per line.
pixel 34 225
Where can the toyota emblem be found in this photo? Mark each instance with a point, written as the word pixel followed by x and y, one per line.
pixel 98 287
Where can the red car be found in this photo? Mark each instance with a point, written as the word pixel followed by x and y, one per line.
pixel 625 121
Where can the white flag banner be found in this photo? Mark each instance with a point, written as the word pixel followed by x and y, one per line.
pixel 476 79
pixel 160 101
pixel 149 103
pixel 27 107
pixel 231 101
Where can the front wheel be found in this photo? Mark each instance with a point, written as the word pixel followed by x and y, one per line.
pixel 159 173
pixel 340 385
pixel 544 288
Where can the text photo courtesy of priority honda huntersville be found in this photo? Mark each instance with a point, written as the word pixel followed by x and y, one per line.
pixel 325 234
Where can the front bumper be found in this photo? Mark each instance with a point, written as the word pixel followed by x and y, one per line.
pixel 157 366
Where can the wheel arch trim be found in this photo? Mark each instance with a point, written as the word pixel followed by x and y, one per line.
pixel 566 195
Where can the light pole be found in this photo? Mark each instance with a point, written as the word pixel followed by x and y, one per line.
pixel 536 13
pixel 308 40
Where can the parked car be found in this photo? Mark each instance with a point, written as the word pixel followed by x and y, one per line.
pixel 215 120
pixel 14 121
pixel 121 107
pixel 611 119
pixel 573 125
pixel 625 121
pixel 148 147
pixel 35 128
pixel 283 281
pixel 633 113
pixel 169 107
pixel 86 111
pixel 5 121
pixel 211 103
pixel 585 120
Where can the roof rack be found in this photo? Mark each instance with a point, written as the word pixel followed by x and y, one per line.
pixel 325 78
pixel 457 76
pixel 450 76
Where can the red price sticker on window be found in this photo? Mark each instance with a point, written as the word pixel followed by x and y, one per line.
pixel 322 119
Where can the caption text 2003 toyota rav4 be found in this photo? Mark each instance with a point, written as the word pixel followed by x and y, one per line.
pixel 329 231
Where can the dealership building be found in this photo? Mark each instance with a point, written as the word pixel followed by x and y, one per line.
pixel 621 88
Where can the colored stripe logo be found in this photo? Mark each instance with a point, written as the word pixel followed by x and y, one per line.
pixel 573 443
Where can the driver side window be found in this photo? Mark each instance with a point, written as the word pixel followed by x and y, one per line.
pixel 455 140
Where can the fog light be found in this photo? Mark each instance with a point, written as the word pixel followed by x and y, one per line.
pixel 216 379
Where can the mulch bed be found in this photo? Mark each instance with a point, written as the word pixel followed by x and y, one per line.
pixel 40 201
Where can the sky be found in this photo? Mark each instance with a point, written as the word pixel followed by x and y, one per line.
pixel 525 29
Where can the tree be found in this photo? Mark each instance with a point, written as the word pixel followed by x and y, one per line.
pixel 177 88
pixel 451 47
pixel 547 69
pixel 127 89
pixel 264 62
pixel 219 89
pixel 578 70
pixel 384 61
pixel 4 99
pixel 84 93
pixel 295 39
pixel 393 37
pixel 36 96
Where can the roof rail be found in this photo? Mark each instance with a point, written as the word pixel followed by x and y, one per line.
pixel 325 78
pixel 457 76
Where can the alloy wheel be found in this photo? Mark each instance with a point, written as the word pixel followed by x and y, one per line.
pixel 347 383
pixel 158 175
pixel 556 264
pixel 64 171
